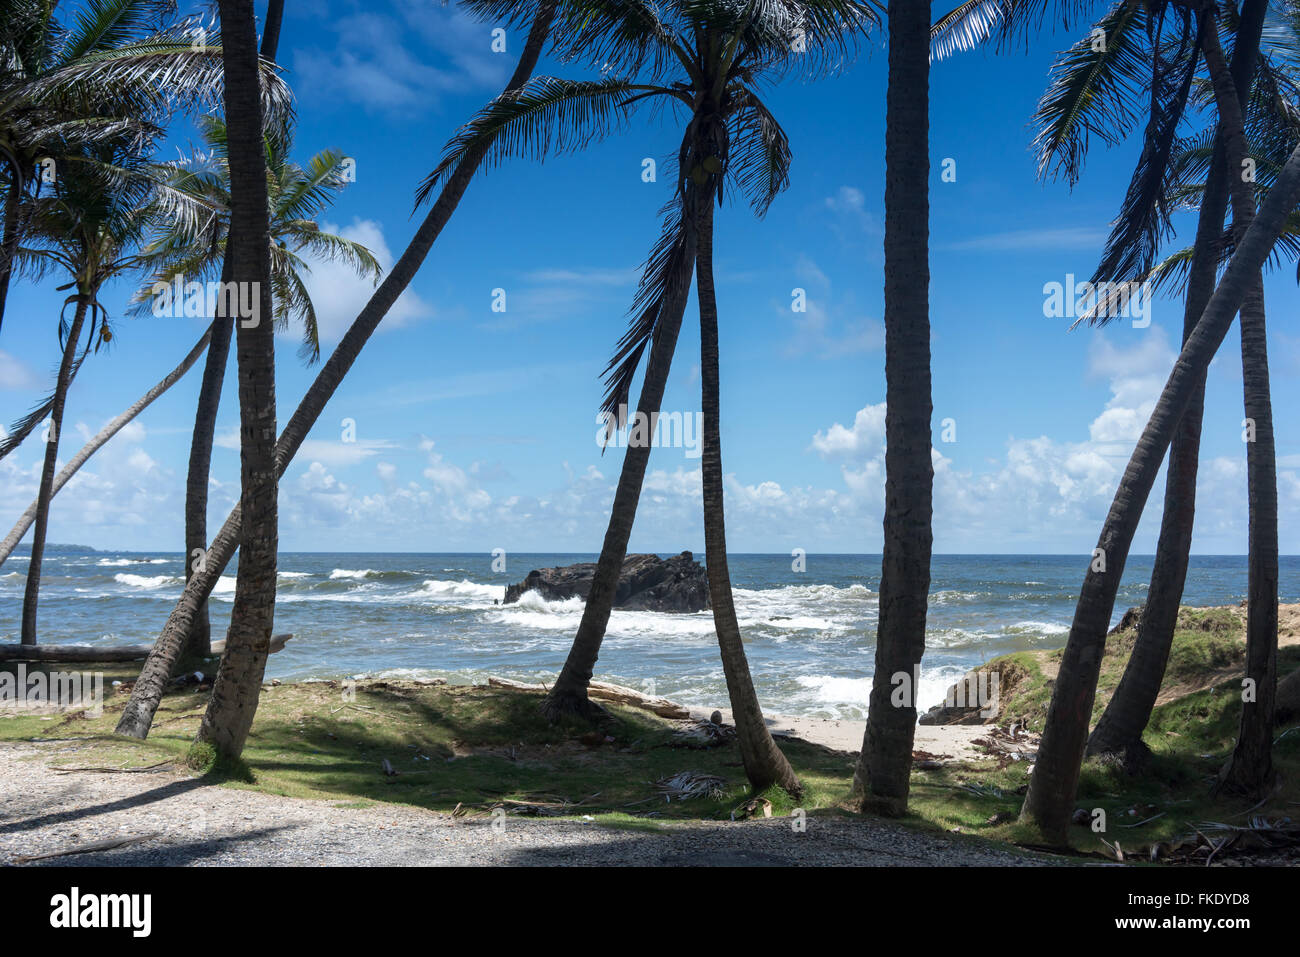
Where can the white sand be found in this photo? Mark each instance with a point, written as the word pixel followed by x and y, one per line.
pixel 841 734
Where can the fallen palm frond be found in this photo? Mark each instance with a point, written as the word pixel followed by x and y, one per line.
pixel 690 784
pixel 704 734
pixel 1213 839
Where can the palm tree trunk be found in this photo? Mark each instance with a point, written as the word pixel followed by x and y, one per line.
pixel 101 438
pixel 1119 730
pixel 32 595
pixel 199 641
pixel 1052 787
pixel 884 768
pixel 765 765
pixel 568 696
pixel 271 30
pixel 9 246
pixel 137 717
pixel 1249 771
pixel 235 691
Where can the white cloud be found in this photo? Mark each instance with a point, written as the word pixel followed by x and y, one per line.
pixel 339 294
pixel 382 62
pixel 1067 237
pixel 866 437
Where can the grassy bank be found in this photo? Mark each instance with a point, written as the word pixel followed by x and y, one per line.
pixel 467 750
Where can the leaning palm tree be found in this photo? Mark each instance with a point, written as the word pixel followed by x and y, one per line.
pixel 88 229
pixel 118 68
pixel 1093 93
pixel 137 716
pixel 193 247
pixel 1120 728
pixel 100 439
pixel 718 52
pixel 1051 796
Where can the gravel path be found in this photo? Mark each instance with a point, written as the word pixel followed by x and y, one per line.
pixel 42 810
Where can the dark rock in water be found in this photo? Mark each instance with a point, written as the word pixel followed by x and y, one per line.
pixel 646 583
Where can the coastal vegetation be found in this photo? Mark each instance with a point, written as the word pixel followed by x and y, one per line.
pixel 1169 720
pixel 472 750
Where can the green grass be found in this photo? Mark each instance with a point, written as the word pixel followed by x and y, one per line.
pixel 474 748
pixel 452 746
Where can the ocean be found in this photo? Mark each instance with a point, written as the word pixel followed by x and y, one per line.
pixel 810 635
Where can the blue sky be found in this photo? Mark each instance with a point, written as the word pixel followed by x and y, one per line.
pixel 476 429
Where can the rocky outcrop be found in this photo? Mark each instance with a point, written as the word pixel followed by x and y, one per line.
pixel 646 583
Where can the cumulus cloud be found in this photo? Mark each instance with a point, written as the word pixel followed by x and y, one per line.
pixel 339 294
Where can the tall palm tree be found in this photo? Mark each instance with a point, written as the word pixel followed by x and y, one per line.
pixel 199 642
pixel 745 41
pixel 194 247
pixel 724 49
pixel 112 71
pixel 764 763
pixel 1119 730
pixel 90 229
pixel 884 768
pixel 1249 769
pixel 1094 80
pixel 1049 802
pixel 137 716
pixel 230 711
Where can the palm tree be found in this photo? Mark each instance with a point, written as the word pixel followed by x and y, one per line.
pixel 230 711
pixel 199 642
pixel 191 247
pixel 744 41
pixel 90 228
pixel 112 72
pixel 137 716
pixel 1092 81
pixel 1249 770
pixel 764 763
pixel 1119 730
pixel 1049 802
pixel 725 50
pixel 884 768
pixel 1050 798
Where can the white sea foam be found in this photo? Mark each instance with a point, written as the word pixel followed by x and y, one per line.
pixel 462 589
pixel 1037 628
pixel 351 574
pixel 146 581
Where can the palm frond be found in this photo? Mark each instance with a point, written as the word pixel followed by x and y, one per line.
pixel 665 281
pixel 1144 217
pixel 548 115
pixel 1096 89
pixel 760 154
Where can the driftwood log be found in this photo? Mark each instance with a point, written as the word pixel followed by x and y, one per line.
pixel 97 653
pixel 608 692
